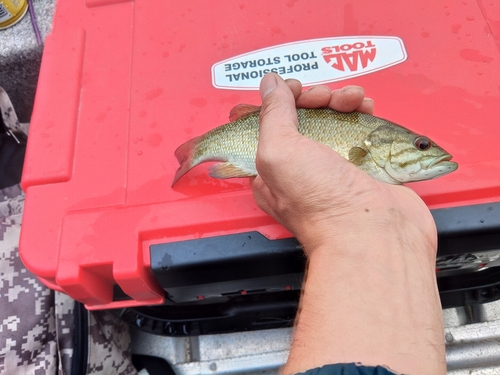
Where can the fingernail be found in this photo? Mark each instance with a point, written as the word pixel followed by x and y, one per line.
pixel 268 84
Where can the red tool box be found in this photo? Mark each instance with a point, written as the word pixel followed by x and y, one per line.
pixel 124 83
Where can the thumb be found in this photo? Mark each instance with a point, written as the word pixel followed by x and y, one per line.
pixel 278 115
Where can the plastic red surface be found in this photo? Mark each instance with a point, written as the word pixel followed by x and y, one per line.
pixel 123 83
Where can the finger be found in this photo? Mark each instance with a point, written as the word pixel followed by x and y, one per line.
pixel 295 85
pixel 315 97
pixel 347 99
pixel 367 106
pixel 278 115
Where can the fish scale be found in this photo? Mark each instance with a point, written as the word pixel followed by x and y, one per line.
pixel 341 132
pixel 388 152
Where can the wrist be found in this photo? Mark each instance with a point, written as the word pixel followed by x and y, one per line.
pixel 375 225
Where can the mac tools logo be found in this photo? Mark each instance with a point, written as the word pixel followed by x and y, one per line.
pixel 352 57
pixel 311 61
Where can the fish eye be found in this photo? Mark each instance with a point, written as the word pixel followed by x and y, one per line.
pixel 422 143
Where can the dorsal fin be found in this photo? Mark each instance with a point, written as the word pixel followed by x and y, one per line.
pixel 242 110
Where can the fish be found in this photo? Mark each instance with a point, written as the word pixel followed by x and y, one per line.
pixel 388 152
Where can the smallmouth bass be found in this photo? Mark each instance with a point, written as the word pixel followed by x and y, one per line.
pixel 386 151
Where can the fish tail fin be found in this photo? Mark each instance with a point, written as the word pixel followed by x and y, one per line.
pixel 185 155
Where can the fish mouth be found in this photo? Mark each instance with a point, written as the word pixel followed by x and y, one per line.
pixel 445 159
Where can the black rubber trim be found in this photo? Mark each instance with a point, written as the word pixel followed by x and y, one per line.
pixel 468 229
pixel 79 360
pixel 245 281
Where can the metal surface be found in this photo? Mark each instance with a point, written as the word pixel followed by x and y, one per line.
pixel 472 346
pixel 473 340
pixel 246 352
pixel 472 337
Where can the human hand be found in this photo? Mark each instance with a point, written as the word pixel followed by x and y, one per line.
pixel 312 190
pixel 370 292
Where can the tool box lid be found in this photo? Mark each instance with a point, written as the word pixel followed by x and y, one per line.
pixel 124 83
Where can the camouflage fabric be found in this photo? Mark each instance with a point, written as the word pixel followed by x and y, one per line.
pixel 9 114
pixel 36 323
pixel 109 345
pixel 27 330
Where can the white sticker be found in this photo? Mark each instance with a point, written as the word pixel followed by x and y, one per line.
pixel 311 61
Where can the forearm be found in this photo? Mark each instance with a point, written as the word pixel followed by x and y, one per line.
pixel 396 321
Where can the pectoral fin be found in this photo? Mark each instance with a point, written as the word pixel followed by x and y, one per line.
pixel 356 155
pixel 228 170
